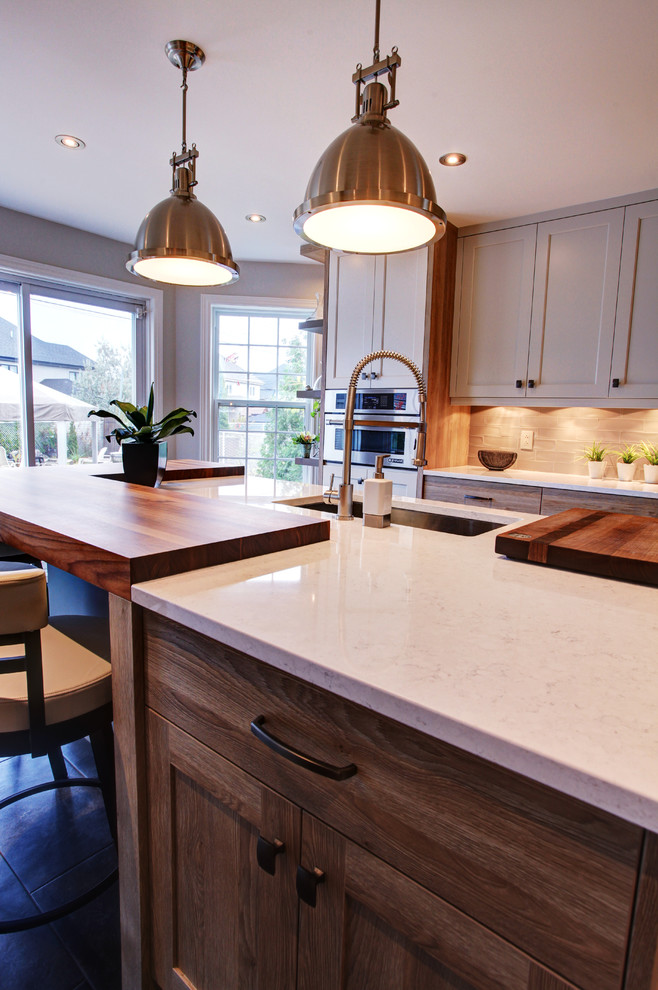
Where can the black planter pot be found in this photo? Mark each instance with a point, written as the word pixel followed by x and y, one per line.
pixel 144 463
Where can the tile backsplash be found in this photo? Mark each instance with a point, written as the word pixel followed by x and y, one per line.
pixel 559 434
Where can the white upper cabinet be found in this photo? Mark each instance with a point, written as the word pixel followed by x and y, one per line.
pixel 376 302
pixel 494 304
pixel 634 371
pixel 574 302
pixel 561 312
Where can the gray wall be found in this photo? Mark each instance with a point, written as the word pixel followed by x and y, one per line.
pixel 32 239
pixel 257 278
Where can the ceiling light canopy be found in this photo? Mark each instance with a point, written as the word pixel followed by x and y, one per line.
pixel 371 191
pixel 180 240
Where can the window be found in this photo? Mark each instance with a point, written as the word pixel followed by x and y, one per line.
pixel 261 359
pixel 64 351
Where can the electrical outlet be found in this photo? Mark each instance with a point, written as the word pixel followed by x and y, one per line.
pixel 527 440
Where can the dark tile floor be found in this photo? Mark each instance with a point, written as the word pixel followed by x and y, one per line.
pixel 52 847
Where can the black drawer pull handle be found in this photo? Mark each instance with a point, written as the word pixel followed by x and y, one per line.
pixel 267 852
pixel 531 383
pixel 307 762
pixel 615 383
pixel 307 884
pixel 518 383
pixel 478 498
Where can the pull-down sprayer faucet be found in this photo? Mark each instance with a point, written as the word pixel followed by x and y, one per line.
pixel 345 491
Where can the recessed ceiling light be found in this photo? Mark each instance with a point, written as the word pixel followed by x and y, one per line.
pixel 453 158
pixel 255 218
pixel 70 142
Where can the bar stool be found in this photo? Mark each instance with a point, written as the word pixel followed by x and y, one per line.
pixel 54 692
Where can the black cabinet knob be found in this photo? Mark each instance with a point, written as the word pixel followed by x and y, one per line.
pixel 518 383
pixel 267 852
pixel 307 884
pixel 615 383
pixel 531 383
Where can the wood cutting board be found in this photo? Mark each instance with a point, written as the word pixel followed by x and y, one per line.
pixel 609 544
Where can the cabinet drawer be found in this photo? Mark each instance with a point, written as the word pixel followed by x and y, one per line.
pixel 489 495
pixel 547 872
pixel 558 499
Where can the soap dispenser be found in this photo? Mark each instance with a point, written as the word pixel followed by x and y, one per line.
pixel 377 497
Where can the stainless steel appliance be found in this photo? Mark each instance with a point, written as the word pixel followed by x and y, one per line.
pixel 368 439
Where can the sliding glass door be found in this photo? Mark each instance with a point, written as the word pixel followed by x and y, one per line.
pixel 63 353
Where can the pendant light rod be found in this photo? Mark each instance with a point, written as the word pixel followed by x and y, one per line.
pixel 375 50
pixel 184 88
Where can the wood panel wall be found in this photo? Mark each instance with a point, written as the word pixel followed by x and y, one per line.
pixel 448 426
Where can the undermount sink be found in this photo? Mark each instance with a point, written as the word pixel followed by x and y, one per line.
pixel 418 518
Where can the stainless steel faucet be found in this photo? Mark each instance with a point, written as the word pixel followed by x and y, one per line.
pixel 344 495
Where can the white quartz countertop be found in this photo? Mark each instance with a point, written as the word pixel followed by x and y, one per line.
pixel 549 673
pixel 545 479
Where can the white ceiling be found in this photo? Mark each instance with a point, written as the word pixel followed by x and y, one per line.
pixel 553 101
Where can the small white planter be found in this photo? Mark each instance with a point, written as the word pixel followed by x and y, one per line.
pixel 651 474
pixel 625 472
pixel 596 469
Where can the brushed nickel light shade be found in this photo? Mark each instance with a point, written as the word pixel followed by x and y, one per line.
pixel 180 241
pixel 371 192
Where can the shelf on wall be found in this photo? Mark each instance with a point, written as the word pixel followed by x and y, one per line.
pixel 308 461
pixel 308 393
pixel 313 326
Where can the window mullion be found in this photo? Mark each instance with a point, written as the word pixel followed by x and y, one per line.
pixel 25 370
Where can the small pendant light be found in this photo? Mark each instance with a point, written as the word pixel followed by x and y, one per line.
pixel 371 191
pixel 180 241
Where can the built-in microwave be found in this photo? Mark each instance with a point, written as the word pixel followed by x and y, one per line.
pixel 369 439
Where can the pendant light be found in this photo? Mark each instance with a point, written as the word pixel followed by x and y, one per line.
pixel 371 191
pixel 180 241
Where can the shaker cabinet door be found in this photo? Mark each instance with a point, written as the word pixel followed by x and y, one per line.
pixel 372 928
pixel 493 305
pixel 635 355
pixel 574 302
pixel 219 919
pixel 350 314
pixel 400 316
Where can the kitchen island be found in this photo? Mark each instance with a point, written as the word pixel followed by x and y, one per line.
pixel 501 720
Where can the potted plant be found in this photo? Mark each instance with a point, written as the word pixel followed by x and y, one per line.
pixel 626 462
pixel 306 440
pixel 143 445
pixel 594 455
pixel 650 451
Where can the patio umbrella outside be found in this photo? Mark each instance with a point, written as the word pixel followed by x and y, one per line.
pixel 50 406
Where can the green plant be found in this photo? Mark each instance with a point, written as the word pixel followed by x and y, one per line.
pixel 306 439
pixel 594 453
pixel 650 451
pixel 629 454
pixel 136 423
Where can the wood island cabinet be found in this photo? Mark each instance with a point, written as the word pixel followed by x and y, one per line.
pixel 422 868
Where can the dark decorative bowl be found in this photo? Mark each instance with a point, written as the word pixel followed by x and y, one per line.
pixel 496 460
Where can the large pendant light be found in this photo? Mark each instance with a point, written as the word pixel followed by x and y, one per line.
pixel 371 191
pixel 180 241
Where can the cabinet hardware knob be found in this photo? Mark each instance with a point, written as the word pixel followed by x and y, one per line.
pixel 364 374
pixel 518 383
pixel 307 884
pixel 531 383
pixel 478 498
pixel 266 853
pixel 300 759
pixel 615 383
pixel 374 374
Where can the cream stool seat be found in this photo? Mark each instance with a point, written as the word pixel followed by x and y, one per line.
pixel 75 681
pixel 52 691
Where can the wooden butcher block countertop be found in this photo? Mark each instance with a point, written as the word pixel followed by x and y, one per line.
pixel 114 534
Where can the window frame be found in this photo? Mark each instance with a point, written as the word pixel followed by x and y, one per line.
pixel 50 281
pixel 290 308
